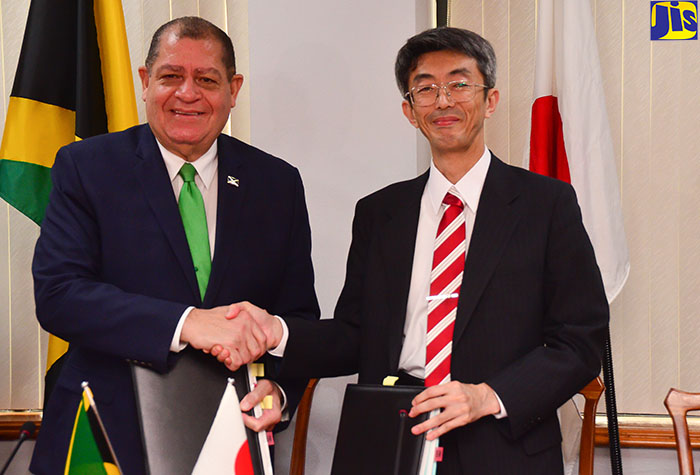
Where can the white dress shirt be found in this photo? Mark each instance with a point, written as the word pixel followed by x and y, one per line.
pixel 468 189
pixel 207 167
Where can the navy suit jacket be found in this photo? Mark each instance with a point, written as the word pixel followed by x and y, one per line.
pixel 113 272
pixel 531 318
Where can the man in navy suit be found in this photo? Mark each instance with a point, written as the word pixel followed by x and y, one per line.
pixel 113 267
pixel 529 314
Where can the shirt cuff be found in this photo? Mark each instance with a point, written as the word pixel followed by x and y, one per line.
pixel 283 403
pixel 503 413
pixel 279 349
pixel 176 346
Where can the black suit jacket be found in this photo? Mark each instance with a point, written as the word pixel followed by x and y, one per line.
pixel 113 271
pixel 531 318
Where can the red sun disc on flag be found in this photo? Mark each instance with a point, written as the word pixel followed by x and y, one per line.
pixel 243 464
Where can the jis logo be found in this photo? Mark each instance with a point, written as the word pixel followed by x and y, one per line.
pixel 674 20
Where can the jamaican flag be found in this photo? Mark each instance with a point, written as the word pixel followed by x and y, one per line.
pixel 90 452
pixel 73 81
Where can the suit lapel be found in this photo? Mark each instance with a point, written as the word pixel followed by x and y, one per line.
pixel 228 213
pixel 158 190
pixel 496 220
pixel 397 245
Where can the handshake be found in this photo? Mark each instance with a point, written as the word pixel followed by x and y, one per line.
pixel 236 334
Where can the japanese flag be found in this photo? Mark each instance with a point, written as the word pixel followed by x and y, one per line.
pixel 226 449
pixel 570 132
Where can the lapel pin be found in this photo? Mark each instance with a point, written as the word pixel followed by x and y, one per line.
pixel 232 180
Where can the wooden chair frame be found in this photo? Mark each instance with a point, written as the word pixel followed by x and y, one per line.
pixel 301 429
pixel 678 403
pixel 591 393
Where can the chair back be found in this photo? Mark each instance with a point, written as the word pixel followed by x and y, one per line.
pixel 678 403
pixel 591 393
pixel 301 429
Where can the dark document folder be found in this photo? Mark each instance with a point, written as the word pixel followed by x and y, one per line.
pixel 176 411
pixel 374 436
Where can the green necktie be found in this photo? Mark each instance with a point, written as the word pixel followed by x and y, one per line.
pixel 194 219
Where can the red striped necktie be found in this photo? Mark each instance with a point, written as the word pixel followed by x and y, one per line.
pixel 445 283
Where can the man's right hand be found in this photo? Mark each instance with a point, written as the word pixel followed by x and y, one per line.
pixel 241 338
pixel 270 325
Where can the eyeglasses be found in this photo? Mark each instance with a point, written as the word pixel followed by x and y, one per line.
pixel 456 91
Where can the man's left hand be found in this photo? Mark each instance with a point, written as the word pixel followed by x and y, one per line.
pixel 460 403
pixel 269 417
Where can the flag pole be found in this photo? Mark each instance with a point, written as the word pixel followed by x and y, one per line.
pixel 442 12
pixel 611 409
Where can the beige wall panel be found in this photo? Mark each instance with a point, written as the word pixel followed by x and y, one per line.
pixel 689 217
pixel 8 44
pixel 634 384
pixel 154 14
pixel 138 46
pixel 608 18
pixel 522 75
pixel 467 14
pixel 14 18
pixel 25 331
pixel 5 323
pixel 237 28
pixel 184 8
pixel 608 21
pixel 151 15
pixel 214 11
pixel 496 30
pixel 609 31
pixel 665 162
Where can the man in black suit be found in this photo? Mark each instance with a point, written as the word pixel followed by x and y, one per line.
pixel 114 267
pixel 528 327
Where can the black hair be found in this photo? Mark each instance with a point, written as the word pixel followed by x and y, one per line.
pixel 445 38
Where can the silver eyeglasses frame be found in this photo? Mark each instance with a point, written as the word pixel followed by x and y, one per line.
pixel 410 95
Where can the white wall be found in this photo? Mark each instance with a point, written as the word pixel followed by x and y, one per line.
pixel 323 97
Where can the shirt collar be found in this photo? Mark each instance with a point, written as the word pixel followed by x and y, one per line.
pixel 205 165
pixel 468 187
